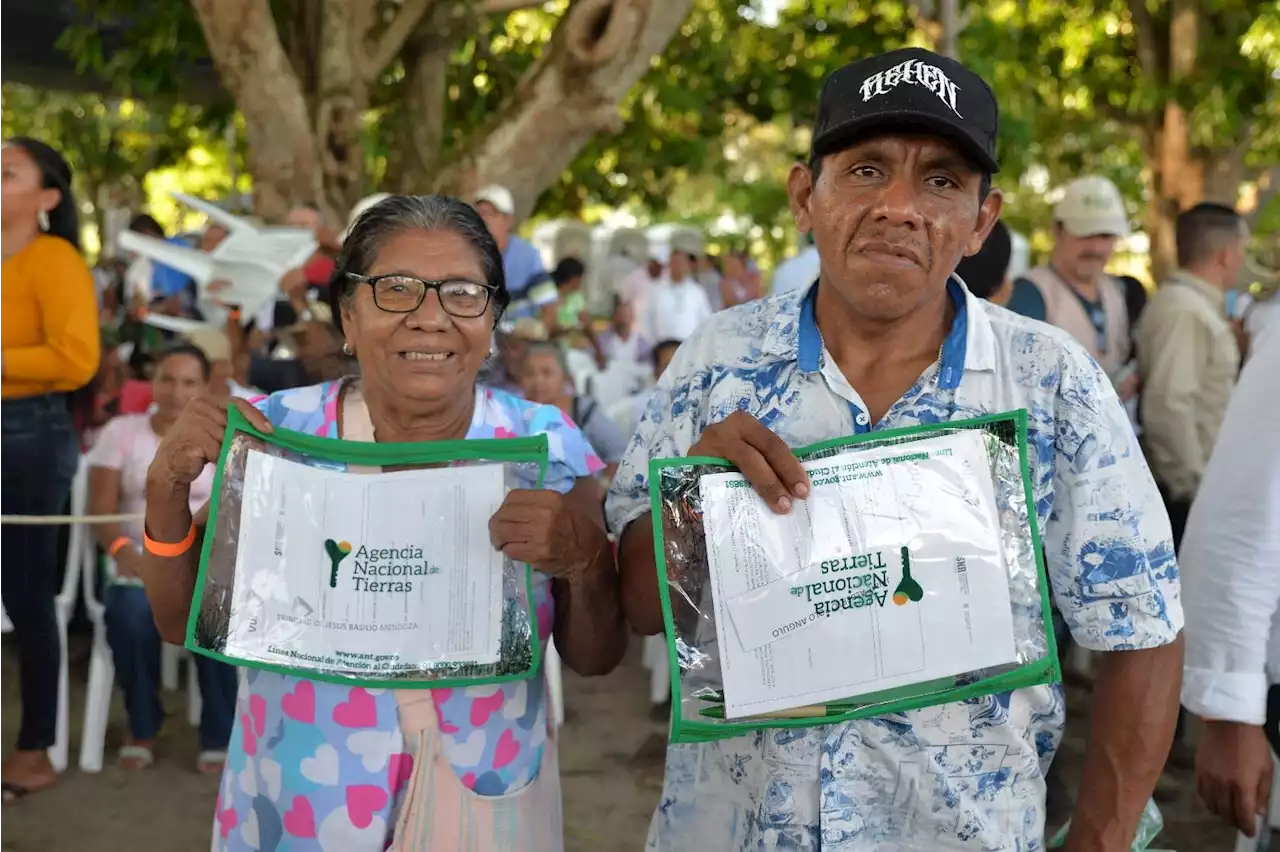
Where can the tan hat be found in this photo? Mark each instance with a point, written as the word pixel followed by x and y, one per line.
pixel 1090 206
pixel 499 196
pixel 212 342
pixel 529 328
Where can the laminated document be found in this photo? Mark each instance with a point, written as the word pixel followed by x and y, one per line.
pixel 892 573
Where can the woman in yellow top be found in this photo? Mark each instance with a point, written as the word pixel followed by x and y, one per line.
pixel 49 346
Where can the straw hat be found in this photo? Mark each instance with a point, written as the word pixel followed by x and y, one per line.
pixel 213 342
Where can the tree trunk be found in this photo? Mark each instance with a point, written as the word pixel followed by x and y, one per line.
pixel 949 19
pixel 341 98
pixel 419 132
pixel 599 50
pixel 1177 175
pixel 246 48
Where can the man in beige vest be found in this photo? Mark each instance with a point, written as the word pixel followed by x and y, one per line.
pixel 1072 291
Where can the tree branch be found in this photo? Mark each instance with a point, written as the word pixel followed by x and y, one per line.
pixel 386 47
pixel 245 46
pixel 598 51
pixel 1144 33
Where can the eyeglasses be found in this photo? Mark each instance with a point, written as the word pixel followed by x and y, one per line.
pixel 402 294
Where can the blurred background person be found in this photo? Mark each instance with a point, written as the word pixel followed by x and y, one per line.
pixel 676 305
pixel 628 413
pixel 568 313
pixel 797 273
pixel 520 260
pixel 710 275
pixel 227 367
pixel 986 273
pixel 545 379
pixel 49 349
pixel 117 484
pixel 740 283
pixel 1073 290
pixel 1189 355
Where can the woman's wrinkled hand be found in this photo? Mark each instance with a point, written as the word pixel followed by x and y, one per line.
pixel 195 440
pixel 547 530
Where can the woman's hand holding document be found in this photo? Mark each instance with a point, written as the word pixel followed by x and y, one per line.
pixel 861 572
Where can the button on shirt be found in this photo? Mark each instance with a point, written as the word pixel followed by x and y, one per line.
pixel 1189 360
pixel 967 775
pixel 1231 553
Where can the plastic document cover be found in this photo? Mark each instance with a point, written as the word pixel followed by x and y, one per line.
pixel 911 576
pixel 365 563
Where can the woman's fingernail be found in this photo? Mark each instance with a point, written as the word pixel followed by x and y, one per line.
pixel 802 490
pixel 784 504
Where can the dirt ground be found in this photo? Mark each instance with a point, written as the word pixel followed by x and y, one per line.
pixel 611 760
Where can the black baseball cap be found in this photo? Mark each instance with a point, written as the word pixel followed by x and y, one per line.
pixel 908 88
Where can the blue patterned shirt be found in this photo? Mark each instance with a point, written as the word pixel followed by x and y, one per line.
pixel 967 775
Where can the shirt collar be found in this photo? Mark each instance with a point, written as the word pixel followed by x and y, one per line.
pixel 1215 294
pixel 969 345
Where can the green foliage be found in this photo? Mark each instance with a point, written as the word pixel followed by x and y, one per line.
pixel 110 144
pixel 723 112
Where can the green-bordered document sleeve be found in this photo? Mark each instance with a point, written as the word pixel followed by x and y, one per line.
pixel 912 575
pixel 365 563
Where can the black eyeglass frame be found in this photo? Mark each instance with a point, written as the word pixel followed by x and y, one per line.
pixel 427 286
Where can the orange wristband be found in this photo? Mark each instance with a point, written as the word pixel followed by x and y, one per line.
pixel 118 545
pixel 167 549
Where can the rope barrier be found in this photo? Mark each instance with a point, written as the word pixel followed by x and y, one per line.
pixel 57 520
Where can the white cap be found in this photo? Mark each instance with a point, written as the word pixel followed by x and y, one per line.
pixel 498 196
pixel 362 205
pixel 1092 205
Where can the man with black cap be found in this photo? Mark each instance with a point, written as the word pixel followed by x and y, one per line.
pixel 897 190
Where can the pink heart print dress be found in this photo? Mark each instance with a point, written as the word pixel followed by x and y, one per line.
pixel 318 767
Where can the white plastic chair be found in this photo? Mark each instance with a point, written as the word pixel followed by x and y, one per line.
pixel 102 675
pixel 654 658
pixel 555 684
pixel 64 606
pixel 6 626
pixel 582 368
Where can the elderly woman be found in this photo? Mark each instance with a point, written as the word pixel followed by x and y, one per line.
pixel 417 291
pixel 544 376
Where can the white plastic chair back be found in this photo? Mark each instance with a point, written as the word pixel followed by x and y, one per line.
pixel 64 605
pixel 102 670
pixel 582 368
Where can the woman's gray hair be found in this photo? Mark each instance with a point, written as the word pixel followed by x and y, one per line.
pixel 545 348
pixel 398 213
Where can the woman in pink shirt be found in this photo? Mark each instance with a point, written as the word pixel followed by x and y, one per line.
pixel 117 484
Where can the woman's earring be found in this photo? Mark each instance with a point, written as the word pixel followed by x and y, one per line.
pixel 347 350
pixel 43 219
